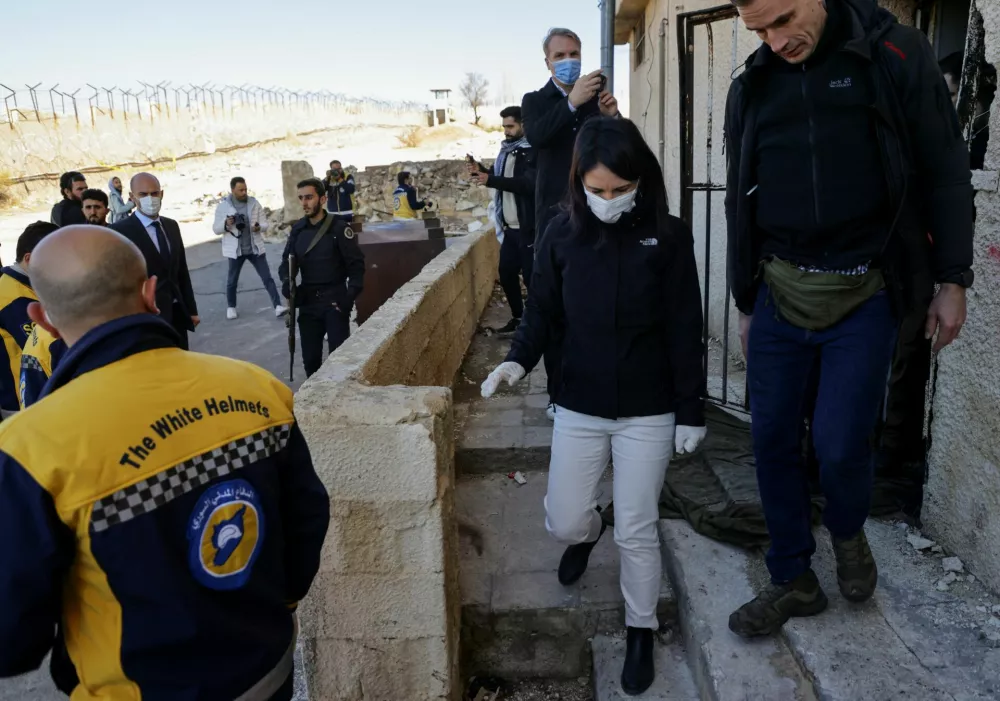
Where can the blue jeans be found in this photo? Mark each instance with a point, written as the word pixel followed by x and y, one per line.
pixel 260 265
pixel 852 358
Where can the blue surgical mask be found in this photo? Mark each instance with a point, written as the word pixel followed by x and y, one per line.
pixel 567 71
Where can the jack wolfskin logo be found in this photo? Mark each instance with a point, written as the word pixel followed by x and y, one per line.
pixel 841 83
pixel 649 242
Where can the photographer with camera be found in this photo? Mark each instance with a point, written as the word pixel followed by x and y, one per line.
pixel 240 221
pixel 340 189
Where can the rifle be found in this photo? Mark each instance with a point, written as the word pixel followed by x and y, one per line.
pixel 293 272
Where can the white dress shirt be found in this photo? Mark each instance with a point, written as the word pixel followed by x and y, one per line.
pixel 565 94
pixel 148 223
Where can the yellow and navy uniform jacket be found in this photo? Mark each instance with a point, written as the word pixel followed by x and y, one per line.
pixel 162 507
pixel 405 203
pixel 40 354
pixel 340 197
pixel 15 327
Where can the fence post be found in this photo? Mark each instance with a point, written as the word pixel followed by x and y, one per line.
pixel 52 102
pixel 34 100
pixel 76 112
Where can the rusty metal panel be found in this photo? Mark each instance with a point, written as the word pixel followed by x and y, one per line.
pixel 395 253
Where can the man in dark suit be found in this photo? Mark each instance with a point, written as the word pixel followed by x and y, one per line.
pixel 160 241
pixel 552 117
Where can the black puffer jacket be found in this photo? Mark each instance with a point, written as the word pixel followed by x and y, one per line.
pixel 631 310
pixel 923 157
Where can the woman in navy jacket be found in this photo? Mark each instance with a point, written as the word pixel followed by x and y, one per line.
pixel 618 274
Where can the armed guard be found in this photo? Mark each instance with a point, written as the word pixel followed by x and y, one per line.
pixel 331 268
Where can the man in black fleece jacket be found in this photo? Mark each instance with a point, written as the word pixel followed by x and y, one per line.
pixel 843 153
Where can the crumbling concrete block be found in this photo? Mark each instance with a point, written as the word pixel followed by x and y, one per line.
pixel 292 173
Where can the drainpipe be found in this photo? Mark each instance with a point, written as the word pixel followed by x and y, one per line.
pixel 663 95
pixel 608 42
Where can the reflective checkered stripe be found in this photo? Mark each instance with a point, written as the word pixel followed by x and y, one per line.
pixel 30 362
pixel 163 487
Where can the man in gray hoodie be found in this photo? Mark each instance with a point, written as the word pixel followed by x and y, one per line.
pixel 119 207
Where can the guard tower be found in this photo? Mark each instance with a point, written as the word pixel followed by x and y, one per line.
pixel 440 111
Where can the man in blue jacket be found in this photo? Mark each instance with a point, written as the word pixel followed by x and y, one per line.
pixel 173 549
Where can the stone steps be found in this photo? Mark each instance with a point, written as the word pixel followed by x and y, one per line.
pixel 504 433
pixel 674 681
pixel 517 620
pixel 910 641
pixel 711 581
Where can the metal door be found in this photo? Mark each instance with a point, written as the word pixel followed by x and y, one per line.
pixel 712 45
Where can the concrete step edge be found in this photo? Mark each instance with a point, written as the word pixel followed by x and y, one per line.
pixel 484 461
pixel 710 581
pixel 674 680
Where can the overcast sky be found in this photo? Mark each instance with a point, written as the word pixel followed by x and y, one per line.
pixel 382 48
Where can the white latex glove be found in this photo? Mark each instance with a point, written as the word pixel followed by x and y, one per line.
pixel 511 372
pixel 688 438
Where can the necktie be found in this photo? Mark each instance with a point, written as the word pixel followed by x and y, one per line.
pixel 161 241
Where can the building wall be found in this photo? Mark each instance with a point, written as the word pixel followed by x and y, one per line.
pixel 650 104
pixel 962 508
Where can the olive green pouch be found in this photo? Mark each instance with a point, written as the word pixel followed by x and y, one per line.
pixel 814 300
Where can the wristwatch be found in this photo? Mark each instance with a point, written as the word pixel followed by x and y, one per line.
pixel 963 279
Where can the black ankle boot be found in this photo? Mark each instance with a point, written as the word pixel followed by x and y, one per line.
pixel 574 561
pixel 637 673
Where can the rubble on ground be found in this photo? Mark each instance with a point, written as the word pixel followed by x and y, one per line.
pixel 952 564
pixel 919 542
pixel 966 601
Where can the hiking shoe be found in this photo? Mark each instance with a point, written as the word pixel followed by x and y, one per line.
pixel 574 560
pixel 857 573
pixel 280 311
pixel 637 672
pixel 231 313
pixel 776 604
pixel 510 326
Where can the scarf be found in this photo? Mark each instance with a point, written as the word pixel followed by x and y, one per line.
pixel 506 148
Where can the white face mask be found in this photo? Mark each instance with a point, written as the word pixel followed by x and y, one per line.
pixel 610 211
pixel 150 206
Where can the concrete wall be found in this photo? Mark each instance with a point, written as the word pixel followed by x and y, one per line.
pixel 382 619
pixel 963 502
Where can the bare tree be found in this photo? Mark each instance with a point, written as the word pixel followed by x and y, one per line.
pixel 474 89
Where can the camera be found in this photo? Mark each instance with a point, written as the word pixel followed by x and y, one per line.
pixel 240 222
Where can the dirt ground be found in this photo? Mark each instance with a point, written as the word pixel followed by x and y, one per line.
pixel 193 186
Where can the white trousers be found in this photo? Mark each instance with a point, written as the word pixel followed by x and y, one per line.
pixel 642 448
